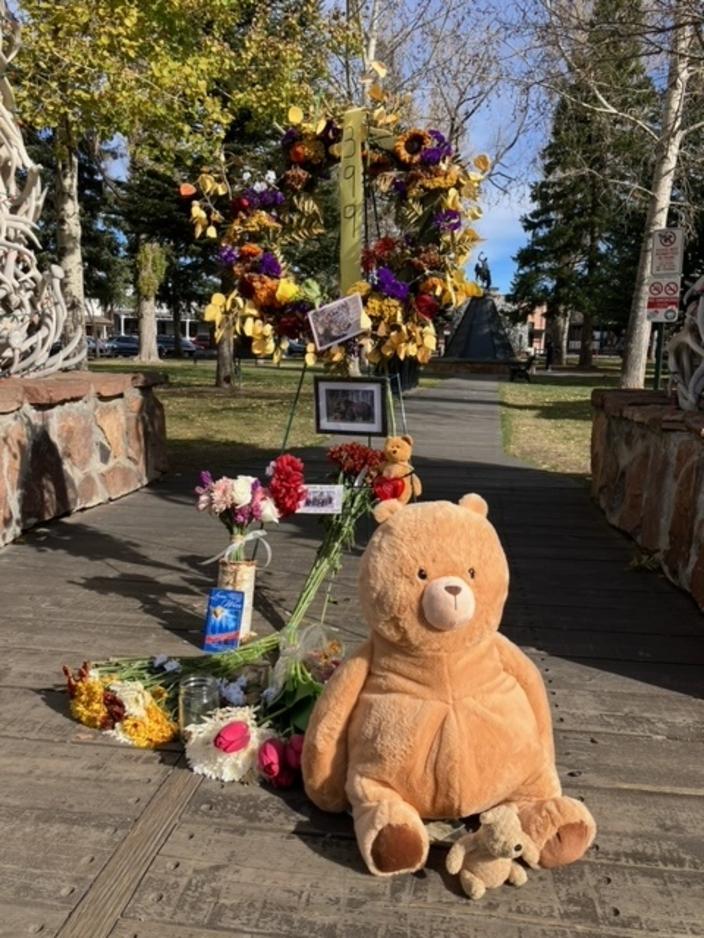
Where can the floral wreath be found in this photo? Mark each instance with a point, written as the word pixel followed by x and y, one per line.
pixel 413 270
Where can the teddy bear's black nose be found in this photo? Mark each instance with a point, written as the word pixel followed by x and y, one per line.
pixel 518 848
pixel 453 590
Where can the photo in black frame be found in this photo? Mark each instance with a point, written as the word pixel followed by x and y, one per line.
pixel 355 406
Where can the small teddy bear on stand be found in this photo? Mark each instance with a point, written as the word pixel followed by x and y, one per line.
pixel 487 858
pixel 397 465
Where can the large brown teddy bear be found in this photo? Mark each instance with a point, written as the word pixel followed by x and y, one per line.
pixel 437 715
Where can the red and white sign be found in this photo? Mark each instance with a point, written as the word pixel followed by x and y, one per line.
pixel 663 299
pixel 666 256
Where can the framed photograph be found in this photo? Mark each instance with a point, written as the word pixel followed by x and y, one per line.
pixel 322 500
pixel 351 405
pixel 336 322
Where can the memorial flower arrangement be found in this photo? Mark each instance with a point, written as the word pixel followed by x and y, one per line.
pixel 357 467
pixel 244 500
pixel 124 708
pixel 256 733
pixel 413 268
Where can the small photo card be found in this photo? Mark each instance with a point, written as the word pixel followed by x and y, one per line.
pixel 223 620
pixel 336 322
pixel 323 500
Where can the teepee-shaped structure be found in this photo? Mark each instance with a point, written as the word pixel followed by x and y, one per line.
pixel 32 308
pixel 480 335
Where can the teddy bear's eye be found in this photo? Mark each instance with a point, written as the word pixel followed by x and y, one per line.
pixel 422 574
pixel 472 573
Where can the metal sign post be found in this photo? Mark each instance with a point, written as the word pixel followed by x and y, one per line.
pixel 662 305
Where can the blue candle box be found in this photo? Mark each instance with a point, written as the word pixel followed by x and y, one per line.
pixel 223 620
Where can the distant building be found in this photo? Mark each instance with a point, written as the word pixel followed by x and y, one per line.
pixel 123 320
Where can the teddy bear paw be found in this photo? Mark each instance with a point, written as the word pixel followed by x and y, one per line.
pixel 398 848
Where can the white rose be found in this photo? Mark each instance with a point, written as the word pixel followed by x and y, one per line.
pixel 270 513
pixel 246 176
pixel 270 177
pixel 259 186
pixel 242 491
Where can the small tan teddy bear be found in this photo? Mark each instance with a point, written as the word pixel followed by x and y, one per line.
pixel 397 451
pixel 487 858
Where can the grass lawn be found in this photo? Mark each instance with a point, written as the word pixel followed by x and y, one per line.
pixel 209 427
pixel 548 423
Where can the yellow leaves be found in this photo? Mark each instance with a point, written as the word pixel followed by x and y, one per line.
pixel 286 291
pixel 262 338
pixel 376 93
pixel 199 218
pixel 311 356
pixel 366 322
pixel 379 67
pixel 335 355
pixel 211 231
pixel 207 183
pixel 295 115
pixel 483 163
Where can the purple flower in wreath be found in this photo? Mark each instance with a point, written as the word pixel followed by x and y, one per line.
pixel 432 156
pixel 400 188
pixel 253 197
pixel 228 255
pixel 449 220
pixel 441 142
pixel 389 285
pixel 271 198
pixel 291 135
pixel 269 265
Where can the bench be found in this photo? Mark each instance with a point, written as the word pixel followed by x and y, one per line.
pixel 522 370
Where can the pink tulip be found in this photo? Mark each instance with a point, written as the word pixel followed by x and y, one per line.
pixel 272 763
pixel 294 750
pixel 233 737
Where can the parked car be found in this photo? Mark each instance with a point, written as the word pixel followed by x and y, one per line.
pixel 296 350
pixel 202 343
pixel 166 345
pixel 124 346
pixel 97 347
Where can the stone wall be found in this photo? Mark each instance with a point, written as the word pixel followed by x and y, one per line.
pixel 75 440
pixel 647 475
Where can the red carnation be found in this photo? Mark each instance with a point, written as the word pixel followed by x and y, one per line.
pixel 352 458
pixel 387 488
pixel 427 306
pixel 287 487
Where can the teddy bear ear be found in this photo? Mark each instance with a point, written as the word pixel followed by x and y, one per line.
pixel 475 503
pixel 408 439
pixel 383 511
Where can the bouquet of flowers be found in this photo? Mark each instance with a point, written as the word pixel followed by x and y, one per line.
pixel 240 502
pixel 231 745
pixel 125 709
pixel 358 467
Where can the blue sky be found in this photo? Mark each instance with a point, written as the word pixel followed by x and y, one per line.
pixel 501 225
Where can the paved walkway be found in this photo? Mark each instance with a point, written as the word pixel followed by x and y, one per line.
pixel 99 840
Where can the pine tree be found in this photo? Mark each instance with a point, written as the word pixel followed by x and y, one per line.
pixel 585 228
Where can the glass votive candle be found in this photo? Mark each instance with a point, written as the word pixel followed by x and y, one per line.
pixel 198 696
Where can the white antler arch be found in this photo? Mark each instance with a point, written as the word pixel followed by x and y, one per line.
pixel 685 351
pixel 32 308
